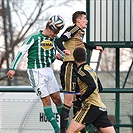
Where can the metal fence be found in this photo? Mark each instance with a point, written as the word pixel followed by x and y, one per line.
pixel 110 26
pixel 121 113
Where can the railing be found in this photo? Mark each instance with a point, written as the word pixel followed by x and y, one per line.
pixel 28 89
pixel 109 27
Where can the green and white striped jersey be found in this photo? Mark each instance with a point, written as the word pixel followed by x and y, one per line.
pixel 41 51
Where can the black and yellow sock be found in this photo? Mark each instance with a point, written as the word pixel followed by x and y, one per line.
pixel 64 117
pixel 75 109
pixel 51 118
pixel 83 130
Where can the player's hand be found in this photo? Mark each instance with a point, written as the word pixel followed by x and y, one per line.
pixel 67 52
pixel 77 103
pixel 10 74
pixel 99 48
pixel 59 57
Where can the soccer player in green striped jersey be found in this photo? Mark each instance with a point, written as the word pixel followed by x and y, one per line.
pixel 41 49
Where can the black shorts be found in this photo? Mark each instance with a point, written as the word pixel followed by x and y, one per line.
pixel 93 115
pixel 68 76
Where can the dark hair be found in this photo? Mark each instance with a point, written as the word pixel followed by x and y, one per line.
pixel 79 54
pixel 76 15
pixel 47 25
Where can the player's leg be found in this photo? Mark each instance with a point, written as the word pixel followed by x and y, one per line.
pixel 68 98
pixel 108 130
pixel 102 122
pixel 38 80
pixel 74 127
pixel 49 113
pixel 79 120
pixel 55 93
pixel 68 83
pixel 56 98
pixel 76 109
pixel 53 89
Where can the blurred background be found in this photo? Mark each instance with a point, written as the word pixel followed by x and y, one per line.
pixel 109 25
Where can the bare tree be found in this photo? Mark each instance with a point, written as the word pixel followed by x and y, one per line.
pixel 19 18
pixel 108 63
pixel 108 60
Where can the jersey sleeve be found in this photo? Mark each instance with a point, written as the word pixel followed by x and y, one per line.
pixel 23 50
pixel 68 34
pixel 87 78
pixel 89 46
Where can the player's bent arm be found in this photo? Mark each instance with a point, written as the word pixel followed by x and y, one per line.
pixel 67 35
pixel 62 50
pixel 59 43
pixel 91 85
pixel 14 65
pixel 17 60
pixel 91 47
pixel 23 50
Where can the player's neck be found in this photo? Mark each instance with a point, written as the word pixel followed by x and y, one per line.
pixel 44 32
pixel 79 25
pixel 78 64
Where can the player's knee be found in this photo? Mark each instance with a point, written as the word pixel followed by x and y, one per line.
pixel 108 130
pixel 46 101
pixel 57 100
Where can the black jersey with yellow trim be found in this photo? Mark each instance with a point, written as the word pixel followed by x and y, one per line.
pixel 88 77
pixel 69 33
pixel 87 81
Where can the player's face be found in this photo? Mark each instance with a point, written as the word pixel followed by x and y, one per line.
pixel 82 22
pixel 52 33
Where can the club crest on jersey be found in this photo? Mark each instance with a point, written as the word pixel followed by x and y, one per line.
pixel 81 35
pixel 91 70
pixel 47 44
pixel 81 38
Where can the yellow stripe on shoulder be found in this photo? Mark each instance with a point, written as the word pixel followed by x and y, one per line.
pixel 81 72
pixel 74 29
pixel 88 68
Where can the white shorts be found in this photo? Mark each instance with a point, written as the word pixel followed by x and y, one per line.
pixel 43 81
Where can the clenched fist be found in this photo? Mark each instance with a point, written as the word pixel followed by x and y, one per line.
pixel 10 74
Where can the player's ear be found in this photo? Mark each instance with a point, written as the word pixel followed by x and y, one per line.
pixel 78 19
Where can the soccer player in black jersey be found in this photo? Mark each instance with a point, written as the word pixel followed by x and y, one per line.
pixel 92 109
pixel 72 38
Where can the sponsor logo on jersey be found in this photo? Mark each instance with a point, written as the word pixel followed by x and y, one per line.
pixel 68 34
pixel 47 44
